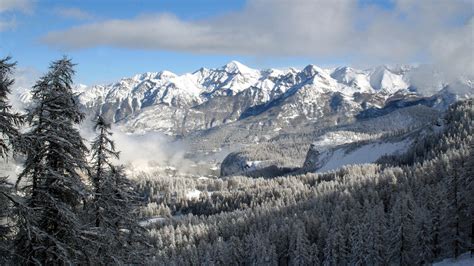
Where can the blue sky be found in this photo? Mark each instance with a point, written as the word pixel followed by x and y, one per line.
pixel 113 39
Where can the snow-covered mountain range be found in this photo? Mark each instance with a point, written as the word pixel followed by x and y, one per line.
pixel 271 99
pixel 283 118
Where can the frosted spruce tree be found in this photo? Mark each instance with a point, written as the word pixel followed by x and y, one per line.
pixel 9 123
pixel 103 150
pixel 114 204
pixel 5 214
pixel 402 231
pixel 300 247
pixel 50 231
pixel 469 174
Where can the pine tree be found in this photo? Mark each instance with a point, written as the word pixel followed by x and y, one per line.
pixel 9 123
pixel 468 195
pixel 236 250
pixel 458 206
pixel 314 253
pixel 358 244
pixel 301 252
pixel 114 203
pixel 103 150
pixel 378 228
pixel 5 214
pixel 437 204
pixel 401 232
pixel 424 236
pixel 50 230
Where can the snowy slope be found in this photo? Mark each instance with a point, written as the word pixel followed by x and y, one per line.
pixel 269 99
pixel 384 80
pixel 368 153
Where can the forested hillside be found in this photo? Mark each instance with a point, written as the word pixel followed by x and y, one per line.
pixel 413 209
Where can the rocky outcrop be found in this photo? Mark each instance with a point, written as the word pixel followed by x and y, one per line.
pixel 237 163
pixel 313 159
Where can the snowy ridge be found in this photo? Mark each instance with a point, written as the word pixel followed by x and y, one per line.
pixel 181 104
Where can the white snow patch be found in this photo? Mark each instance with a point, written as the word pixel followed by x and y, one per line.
pixel 194 194
pixel 151 220
pixel 365 154
pixel 464 260
pixel 342 137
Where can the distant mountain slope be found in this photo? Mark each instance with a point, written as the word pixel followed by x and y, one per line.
pixel 269 99
pixel 326 147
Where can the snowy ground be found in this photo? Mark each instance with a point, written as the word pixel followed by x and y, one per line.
pixel 11 170
pixel 464 260
pixel 151 220
pixel 194 194
pixel 365 154
pixel 336 138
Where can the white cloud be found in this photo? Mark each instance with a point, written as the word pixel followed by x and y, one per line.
pixel 263 27
pixel 74 13
pixel 25 78
pixel 454 50
pixel 24 6
pixel 311 28
pixel 20 5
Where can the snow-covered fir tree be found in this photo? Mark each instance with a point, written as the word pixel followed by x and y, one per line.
pixel 9 139
pixel 9 120
pixel 114 204
pixel 5 215
pixel 50 231
pixel 103 150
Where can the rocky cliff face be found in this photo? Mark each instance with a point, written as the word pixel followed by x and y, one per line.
pixel 237 163
pixel 313 159
pixel 268 99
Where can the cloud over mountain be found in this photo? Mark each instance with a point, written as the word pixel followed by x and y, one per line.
pixel 410 31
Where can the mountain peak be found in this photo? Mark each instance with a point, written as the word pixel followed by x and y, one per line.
pixel 165 74
pixel 311 70
pixel 235 67
pixel 382 78
pixel 144 76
